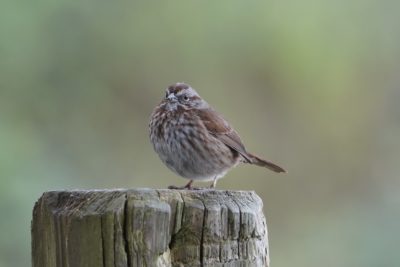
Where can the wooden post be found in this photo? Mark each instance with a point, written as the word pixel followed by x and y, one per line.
pixel 147 227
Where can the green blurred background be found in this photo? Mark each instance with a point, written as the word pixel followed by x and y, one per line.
pixel 312 85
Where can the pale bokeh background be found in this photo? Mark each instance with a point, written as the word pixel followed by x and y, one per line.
pixel 312 85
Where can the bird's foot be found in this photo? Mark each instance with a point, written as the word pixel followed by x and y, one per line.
pixel 187 186
pixel 174 187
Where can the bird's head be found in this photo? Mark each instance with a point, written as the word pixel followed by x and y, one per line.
pixel 183 95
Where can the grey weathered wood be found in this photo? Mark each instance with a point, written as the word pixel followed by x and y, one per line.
pixel 147 227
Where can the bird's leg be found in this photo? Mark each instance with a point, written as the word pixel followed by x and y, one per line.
pixel 214 184
pixel 187 186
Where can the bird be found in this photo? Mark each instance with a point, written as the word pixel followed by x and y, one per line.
pixel 194 141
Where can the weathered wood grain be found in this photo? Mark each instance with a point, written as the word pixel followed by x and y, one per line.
pixel 147 227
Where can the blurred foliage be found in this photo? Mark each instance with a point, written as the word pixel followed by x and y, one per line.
pixel 312 85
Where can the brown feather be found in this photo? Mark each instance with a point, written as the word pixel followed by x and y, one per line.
pixel 265 163
pixel 220 128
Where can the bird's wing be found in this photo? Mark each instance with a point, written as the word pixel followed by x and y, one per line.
pixel 220 129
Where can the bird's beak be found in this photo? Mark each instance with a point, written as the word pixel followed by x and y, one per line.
pixel 172 98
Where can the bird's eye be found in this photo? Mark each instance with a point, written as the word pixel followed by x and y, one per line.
pixel 185 98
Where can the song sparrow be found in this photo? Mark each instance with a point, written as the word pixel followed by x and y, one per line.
pixel 194 141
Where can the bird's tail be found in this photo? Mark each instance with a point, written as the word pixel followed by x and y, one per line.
pixel 265 163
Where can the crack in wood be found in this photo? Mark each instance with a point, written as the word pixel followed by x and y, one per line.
pixel 103 242
pixel 240 222
pixel 125 232
pixel 202 234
